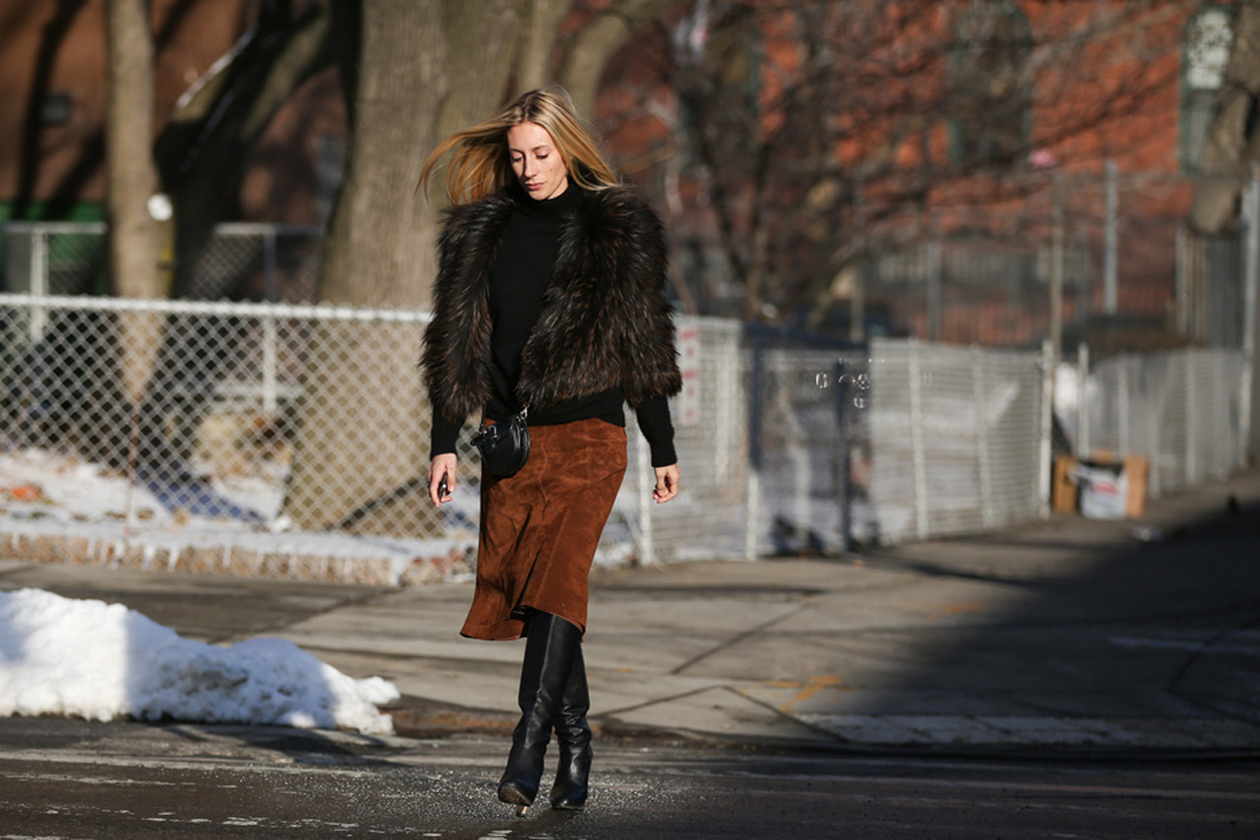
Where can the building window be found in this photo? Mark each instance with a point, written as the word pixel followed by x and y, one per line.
pixel 1205 52
pixel 989 85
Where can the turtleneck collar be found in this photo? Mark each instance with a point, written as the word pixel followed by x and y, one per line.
pixel 547 208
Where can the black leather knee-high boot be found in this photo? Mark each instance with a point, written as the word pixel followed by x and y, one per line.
pixel 550 647
pixel 573 735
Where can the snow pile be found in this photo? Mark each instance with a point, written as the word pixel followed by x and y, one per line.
pixel 101 661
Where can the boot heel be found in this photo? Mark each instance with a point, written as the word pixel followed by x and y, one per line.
pixel 513 795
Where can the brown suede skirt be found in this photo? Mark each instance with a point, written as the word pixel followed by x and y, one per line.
pixel 540 528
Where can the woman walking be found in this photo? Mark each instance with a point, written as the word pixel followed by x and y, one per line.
pixel 550 300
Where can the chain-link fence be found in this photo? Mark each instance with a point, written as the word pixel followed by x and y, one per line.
pixel 807 404
pixel 958 436
pixel 249 261
pixel 222 394
pixel 270 425
pixel 987 274
pixel 286 439
pixel 47 258
pixel 709 518
pixel 1186 411
pixel 851 446
pixel 241 261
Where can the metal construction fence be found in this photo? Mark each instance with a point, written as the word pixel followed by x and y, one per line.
pixel 986 273
pixel 904 440
pixel 958 437
pixel 1187 411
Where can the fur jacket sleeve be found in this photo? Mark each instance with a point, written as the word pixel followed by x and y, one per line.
pixel 606 322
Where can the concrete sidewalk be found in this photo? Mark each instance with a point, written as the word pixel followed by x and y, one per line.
pixel 1069 635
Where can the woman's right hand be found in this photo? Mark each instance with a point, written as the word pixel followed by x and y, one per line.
pixel 443 466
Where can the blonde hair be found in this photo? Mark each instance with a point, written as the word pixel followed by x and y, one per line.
pixel 480 165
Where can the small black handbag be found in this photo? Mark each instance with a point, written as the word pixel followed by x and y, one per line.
pixel 505 446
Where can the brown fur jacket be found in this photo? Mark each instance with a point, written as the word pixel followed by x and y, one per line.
pixel 606 320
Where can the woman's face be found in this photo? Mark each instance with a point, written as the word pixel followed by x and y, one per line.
pixel 536 161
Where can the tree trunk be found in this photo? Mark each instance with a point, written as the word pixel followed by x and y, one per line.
pixel 538 43
pixel 588 51
pixel 479 41
pixel 131 179
pixel 378 252
pixel 1229 151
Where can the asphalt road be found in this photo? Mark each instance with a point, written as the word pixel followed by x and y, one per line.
pixel 1067 679
pixel 76 780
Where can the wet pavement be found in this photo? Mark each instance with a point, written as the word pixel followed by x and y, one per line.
pixel 72 779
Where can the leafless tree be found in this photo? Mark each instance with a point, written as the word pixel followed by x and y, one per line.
pixel 812 135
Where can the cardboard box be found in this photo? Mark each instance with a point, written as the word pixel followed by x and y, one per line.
pixel 1102 486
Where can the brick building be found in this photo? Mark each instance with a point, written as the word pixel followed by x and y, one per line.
pixel 52 101
pixel 950 192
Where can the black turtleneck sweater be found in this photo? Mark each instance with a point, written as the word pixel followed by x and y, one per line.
pixel 519 276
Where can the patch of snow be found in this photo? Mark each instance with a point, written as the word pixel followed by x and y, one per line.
pixel 89 659
pixel 46 493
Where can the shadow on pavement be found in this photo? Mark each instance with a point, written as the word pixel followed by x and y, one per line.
pixel 1070 634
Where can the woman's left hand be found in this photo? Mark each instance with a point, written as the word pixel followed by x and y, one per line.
pixel 666 483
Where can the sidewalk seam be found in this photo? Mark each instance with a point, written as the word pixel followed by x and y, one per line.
pixel 736 639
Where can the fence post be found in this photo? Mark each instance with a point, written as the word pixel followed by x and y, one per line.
pixel 750 521
pixel 1251 300
pixel 271 355
pixel 643 468
pixel 725 435
pixel 1110 261
pixel 270 280
pixel 934 267
pixel 1191 399
pixel 842 431
pixel 1047 424
pixel 754 448
pixel 982 437
pixel 916 442
pixel 1082 401
pixel 1057 266
pixel 39 282
pixel 1123 404
pixel 797 453
pixel 1181 281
